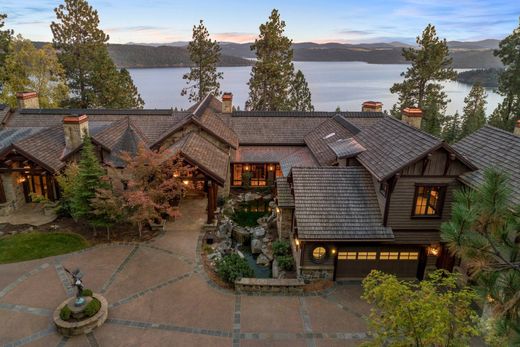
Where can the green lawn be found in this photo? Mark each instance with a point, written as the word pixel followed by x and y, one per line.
pixel 36 245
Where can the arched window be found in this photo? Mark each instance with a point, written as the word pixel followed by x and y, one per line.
pixel 319 253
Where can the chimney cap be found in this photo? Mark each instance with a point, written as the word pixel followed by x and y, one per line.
pixel 75 119
pixel 372 103
pixel 26 95
pixel 412 112
pixel 227 96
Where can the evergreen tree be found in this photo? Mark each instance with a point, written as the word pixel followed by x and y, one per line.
pixel 5 42
pixel 474 116
pixel 300 95
pixel 203 77
pixel 338 109
pixel 88 181
pixel 483 232
pixel 508 111
pixel 92 76
pixel 430 64
pixel 451 129
pixel 273 72
pixel 29 68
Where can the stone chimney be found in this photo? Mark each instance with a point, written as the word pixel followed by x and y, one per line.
pixel 412 116
pixel 517 128
pixel 372 106
pixel 75 128
pixel 27 100
pixel 227 103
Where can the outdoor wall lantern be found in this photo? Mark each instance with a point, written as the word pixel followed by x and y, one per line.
pixel 297 243
pixel 271 167
pixel 176 174
pixel 186 182
pixel 246 168
pixel 277 210
pixel 433 250
pixel 20 180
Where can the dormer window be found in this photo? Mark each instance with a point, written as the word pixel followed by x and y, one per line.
pixel 429 200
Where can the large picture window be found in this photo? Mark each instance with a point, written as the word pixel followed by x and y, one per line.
pixel 428 200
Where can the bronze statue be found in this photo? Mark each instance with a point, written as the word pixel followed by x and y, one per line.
pixel 76 282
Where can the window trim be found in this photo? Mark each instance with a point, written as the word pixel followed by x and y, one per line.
pixel 440 200
pixel 322 259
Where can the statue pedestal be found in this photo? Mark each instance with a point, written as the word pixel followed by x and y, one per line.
pixel 82 325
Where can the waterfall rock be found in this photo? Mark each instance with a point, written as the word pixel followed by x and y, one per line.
pixel 241 235
pixel 256 246
pixel 258 232
pixel 262 260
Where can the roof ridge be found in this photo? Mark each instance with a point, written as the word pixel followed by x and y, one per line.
pixel 502 131
pixel 202 103
pixel 413 128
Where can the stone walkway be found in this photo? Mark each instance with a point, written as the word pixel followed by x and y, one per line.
pixel 160 296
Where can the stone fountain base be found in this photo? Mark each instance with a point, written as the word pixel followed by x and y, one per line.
pixel 83 326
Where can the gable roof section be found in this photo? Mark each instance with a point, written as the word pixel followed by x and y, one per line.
pixel 490 147
pixel 45 147
pixel 301 158
pixel 206 156
pixel 346 148
pixel 327 132
pixel 337 203
pixel 283 193
pixel 391 145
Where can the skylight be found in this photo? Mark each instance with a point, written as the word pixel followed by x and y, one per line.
pixel 329 136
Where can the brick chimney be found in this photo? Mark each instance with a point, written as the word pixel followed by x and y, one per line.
pixel 413 116
pixel 372 106
pixel 27 100
pixel 75 128
pixel 227 103
pixel 517 128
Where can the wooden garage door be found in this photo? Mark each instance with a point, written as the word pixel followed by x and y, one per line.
pixel 357 263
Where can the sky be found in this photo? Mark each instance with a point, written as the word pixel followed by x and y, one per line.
pixel 319 21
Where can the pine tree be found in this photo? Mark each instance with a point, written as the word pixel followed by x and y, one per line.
pixel 300 95
pixel 203 77
pixel 431 64
pixel 451 129
pixel 92 76
pixel 484 231
pixel 508 111
pixel 5 42
pixel 88 181
pixel 272 74
pixel 29 68
pixel 474 116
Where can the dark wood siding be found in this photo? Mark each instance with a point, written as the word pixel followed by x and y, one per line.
pixel 3 198
pixel 307 258
pixel 439 164
pixel 402 202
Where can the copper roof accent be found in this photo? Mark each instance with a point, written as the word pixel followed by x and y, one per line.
pixel 413 112
pixel 372 103
pixel 26 95
pixel 75 119
pixel 333 203
pixel 227 96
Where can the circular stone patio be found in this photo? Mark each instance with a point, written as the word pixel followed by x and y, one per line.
pixel 159 295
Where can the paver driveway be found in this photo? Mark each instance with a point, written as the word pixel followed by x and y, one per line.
pixel 159 296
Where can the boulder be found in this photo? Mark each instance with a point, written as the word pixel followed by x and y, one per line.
pixel 262 260
pixel 258 232
pixel 267 197
pixel 267 251
pixel 275 269
pixel 272 204
pixel 214 256
pixel 224 247
pixel 241 235
pixel 251 196
pixel 224 229
pixel 256 246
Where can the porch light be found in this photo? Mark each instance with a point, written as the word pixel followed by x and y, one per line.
pixel 185 182
pixel 296 242
pixel 271 167
pixel 246 168
pixel 176 174
pixel 20 180
pixel 433 250
pixel 277 210
pixel 333 251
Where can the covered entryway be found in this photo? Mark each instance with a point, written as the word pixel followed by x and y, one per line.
pixel 357 262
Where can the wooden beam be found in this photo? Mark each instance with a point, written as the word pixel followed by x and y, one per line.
pixel 211 205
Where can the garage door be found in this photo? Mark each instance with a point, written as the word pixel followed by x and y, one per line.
pixel 357 263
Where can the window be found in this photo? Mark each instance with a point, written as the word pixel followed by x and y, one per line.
pixel 237 174
pixel 366 255
pixel 408 256
pixel 388 255
pixel 318 253
pixel 428 201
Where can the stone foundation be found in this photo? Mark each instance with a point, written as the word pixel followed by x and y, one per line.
pixel 309 274
pixel 13 193
pixel 284 221
pixel 269 286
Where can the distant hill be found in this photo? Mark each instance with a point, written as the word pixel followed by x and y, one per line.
pixel 486 77
pixel 137 56
pixel 471 55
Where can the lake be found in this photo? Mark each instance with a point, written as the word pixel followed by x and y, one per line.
pixel 343 84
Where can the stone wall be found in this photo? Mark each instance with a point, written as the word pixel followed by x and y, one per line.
pixel 13 193
pixel 269 285
pixel 284 223
pixel 312 273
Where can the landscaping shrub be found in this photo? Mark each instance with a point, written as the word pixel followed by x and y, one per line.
pixel 232 267
pixel 207 249
pixel 86 292
pixel 281 247
pixel 286 262
pixel 247 218
pixel 221 201
pixel 65 313
pixel 92 307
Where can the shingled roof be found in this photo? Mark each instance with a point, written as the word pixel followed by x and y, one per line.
pixel 206 156
pixel 490 147
pixel 319 138
pixel 391 145
pixel 300 158
pixel 263 154
pixel 346 148
pixel 283 193
pixel 334 203
pixel 46 147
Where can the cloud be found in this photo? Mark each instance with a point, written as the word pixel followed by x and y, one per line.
pixel 234 36
pixel 134 28
pixel 355 32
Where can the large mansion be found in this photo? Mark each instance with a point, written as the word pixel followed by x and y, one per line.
pixel 355 191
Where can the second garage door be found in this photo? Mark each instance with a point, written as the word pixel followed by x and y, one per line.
pixel 356 263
